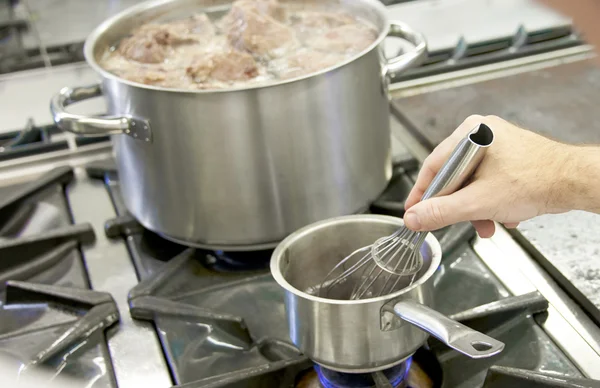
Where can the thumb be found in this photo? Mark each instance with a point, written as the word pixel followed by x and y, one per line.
pixel 438 212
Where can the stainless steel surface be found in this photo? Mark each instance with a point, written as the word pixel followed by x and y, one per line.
pixel 444 23
pixel 528 345
pixel 340 334
pixel 490 72
pixel 90 126
pixel 398 254
pixel 134 348
pixel 260 302
pixel 397 64
pixel 565 245
pixel 33 378
pixel 563 106
pixel 290 141
pixel 26 94
pixel 531 342
pixel 566 323
pixel 22 169
pixel 456 335
pixel 108 266
pixel 50 17
pixel 462 162
pixel 570 244
pixel 362 335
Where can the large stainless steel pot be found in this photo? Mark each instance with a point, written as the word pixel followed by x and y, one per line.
pixel 243 168
pixel 367 335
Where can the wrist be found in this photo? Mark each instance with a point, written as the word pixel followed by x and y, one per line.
pixel 579 179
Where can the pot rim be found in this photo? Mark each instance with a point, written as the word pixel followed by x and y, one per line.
pixel 91 40
pixel 277 256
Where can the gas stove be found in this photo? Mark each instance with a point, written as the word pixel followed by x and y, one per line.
pixel 91 295
pixel 88 294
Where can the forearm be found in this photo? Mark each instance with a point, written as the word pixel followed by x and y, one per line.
pixel 580 186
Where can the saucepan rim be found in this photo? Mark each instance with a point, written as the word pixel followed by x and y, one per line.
pixel 92 39
pixel 278 256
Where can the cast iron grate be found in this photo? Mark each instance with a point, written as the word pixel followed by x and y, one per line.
pixel 37 140
pixel 203 308
pixel 48 317
pixel 523 43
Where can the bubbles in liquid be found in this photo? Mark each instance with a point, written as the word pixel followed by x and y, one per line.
pixel 311 27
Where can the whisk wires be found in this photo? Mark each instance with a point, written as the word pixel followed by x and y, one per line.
pixel 383 265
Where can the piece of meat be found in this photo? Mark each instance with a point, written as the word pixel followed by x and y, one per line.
pixel 270 8
pixel 229 66
pixel 258 33
pixel 195 29
pixel 142 48
pixel 262 35
pixel 141 74
pixel 304 62
pixel 150 42
pixel 147 76
pixel 257 41
pixel 321 19
pixel 352 38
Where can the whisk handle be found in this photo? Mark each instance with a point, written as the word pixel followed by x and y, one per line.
pixel 462 162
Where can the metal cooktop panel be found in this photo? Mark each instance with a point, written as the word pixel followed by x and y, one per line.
pixel 220 316
pixel 444 23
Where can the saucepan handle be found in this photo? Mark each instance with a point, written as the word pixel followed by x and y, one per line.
pixel 456 335
pixel 412 58
pixel 94 126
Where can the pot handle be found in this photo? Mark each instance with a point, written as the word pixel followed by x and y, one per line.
pixel 94 126
pixel 394 66
pixel 456 335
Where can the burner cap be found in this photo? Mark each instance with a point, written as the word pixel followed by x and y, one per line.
pixel 331 379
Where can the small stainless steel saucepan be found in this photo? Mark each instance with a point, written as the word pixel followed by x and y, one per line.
pixel 359 336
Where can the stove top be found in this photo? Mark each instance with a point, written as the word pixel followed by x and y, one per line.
pixel 88 293
pixel 49 316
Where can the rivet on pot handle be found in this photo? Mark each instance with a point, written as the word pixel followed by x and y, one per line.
pixel 456 335
pixel 413 58
pixel 94 126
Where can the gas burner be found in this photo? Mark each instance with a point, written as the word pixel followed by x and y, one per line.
pixel 422 370
pixel 395 376
pixel 223 261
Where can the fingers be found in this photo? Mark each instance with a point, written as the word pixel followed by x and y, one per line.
pixel 438 212
pixel 438 157
pixel 485 228
pixel 430 167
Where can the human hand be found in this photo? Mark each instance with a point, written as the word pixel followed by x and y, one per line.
pixel 517 179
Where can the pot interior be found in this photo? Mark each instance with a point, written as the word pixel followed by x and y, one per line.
pixel 113 30
pixel 306 257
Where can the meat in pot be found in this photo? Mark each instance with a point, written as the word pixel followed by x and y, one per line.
pixel 223 66
pixel 252 29
pixel 255 42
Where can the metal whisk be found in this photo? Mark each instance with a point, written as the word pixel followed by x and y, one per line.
pixel 392 262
